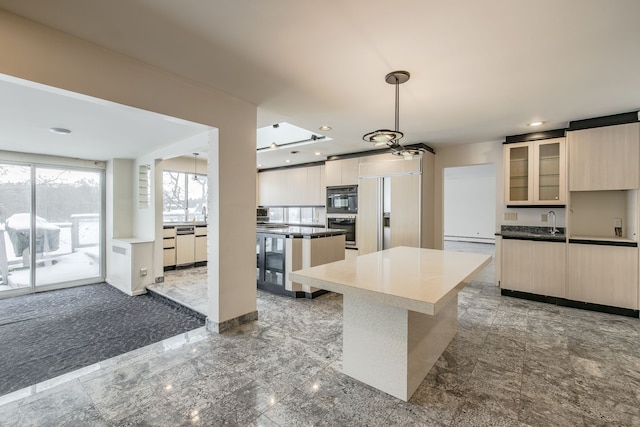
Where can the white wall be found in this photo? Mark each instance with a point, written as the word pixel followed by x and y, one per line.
pixel 464 155
pixel 470 203
pixel 37 53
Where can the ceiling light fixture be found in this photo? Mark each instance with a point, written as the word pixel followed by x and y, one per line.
pixel 325 128
pixel 60 131
pixel 313 138
pixel 533 124
pixel 389 137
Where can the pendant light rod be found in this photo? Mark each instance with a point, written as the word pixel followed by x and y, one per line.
pixel 386 136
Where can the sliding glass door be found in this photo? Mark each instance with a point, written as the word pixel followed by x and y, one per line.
pixel 53 222
pixel 15 228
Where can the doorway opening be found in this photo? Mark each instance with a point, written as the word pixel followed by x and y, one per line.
pixel 470 203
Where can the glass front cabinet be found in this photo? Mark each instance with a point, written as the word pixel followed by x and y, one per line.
pixel 270 262
pixel 535 172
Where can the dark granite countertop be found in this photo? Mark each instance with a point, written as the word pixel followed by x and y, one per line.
pixel 300 232
pixel 524 232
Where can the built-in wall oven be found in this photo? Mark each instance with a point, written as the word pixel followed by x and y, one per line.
pixel 342 199
pixel 347 223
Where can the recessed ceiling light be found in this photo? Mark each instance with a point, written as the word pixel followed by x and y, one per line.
pixel 317 153
pixel 287 161
pixel 533 124
pixel 60 131
pixel 259 166
pixel 325 128
pixel 273 145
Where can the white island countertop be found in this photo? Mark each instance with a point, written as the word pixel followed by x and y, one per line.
pixel 421 280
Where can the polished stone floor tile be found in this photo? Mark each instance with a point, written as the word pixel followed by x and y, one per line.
pixel 512 363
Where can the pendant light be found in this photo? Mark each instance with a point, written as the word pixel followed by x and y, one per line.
pixel 389 137
pixel 195 166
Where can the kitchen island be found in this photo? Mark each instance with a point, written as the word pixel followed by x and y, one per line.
pixel 281 249
pixel 400 311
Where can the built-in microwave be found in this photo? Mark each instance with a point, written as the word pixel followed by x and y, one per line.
pixel 342 199
pixel 347 223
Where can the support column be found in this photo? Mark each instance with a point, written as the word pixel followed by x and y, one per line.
pixel 231 234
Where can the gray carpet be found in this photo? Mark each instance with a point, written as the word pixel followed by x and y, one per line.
pixel 47 334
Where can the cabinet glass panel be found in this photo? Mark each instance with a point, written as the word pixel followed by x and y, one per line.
pixel 258 257
pixel 519 173
pixel 274 260
pixel 549 171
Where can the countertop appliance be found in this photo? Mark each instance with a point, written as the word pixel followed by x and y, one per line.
pixel 342 199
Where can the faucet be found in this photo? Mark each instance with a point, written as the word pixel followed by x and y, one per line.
pixel 554 230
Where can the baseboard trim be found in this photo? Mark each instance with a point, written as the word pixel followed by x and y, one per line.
pixel 218 328
pixel 628 312
pixel 312 295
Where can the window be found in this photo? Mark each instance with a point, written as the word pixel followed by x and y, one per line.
pixel 184 197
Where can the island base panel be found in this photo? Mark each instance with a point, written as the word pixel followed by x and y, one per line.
pixel 393 349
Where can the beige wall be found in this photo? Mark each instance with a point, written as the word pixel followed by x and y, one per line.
pixel 464 155
pixel 33 52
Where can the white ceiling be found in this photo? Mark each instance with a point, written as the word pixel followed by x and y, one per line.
pixel 480 70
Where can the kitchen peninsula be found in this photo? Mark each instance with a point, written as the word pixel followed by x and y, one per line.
pixel 400 311
pixel 281 249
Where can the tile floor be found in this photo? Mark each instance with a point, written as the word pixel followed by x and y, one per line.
pixel 513 363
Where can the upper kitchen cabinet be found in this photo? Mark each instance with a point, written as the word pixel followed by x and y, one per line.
pixel 535 172
pixel 302 186
pixel 604 158
pixel 341 172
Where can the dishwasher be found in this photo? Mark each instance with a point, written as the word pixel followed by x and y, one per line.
pixel 185 245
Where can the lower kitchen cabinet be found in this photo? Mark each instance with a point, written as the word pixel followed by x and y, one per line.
pixel 600 274
pixel 169 247
pixel 185 249
pixel 270 262
pixel 201 244
pixel 184 246
pixel 534 267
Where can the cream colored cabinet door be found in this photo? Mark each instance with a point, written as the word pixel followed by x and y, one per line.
pixel 368 215
pixel 185 249
pixel 270 183
pixel 405 211
pixel 605 158
pixel 341 172
pixel 294 186
pixel 533 267
pixel 201 248
pixel 349 171
pixel 606 275
pixel 518 171
pixel 333 173
pixel 315 188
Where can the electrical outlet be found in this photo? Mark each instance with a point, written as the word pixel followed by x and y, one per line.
pixel 617 222
pixel 143 272
pixel 544 217
pixel 511 216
